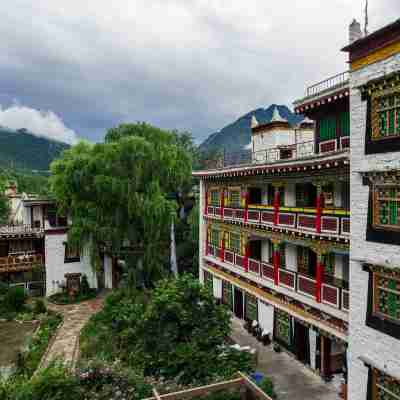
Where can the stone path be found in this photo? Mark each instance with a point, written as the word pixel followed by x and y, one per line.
pixel 292 380
pixel 65 344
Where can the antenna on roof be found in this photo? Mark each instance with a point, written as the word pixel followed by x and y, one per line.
pixel 366 18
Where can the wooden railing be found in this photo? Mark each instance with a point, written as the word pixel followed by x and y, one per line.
pixel 333 294
pixel 20 262
pixel 333 222
pixel 247 388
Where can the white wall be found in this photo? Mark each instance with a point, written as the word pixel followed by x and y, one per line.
pixel 56 268
pixel 290 195
pixel 363 341
pixel 265 250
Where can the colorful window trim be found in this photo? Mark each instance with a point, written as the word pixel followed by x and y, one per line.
pixel 215 198
pixel 208 280
pixel 234 198
pixel 327 129
pixel 386 206
pixel 234 242
pixel 386 114
pixel 344 119
pixel 251 308
pixel 215 237
pixel 329 264
pixel 384 387
pixel 282 327
pixel 386 297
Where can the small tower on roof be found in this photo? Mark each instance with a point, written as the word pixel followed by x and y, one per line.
pixel 276 116
pixel 254 121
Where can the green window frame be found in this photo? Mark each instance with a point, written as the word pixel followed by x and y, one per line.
pixel 215 237
pixel 227 294
pixel 327 129
pixel 215 198
pixel 282 326
pixel 251 307
pixel 234 242
pixel 329 264
pixel 387 206
pixel 387 296
pixel 344 119
pixel 234 198
pixel 208 280
pixel 388 110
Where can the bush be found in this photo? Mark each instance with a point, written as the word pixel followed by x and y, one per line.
pixel 39 307
pixel 65 298
pixel 267 386
pixel 15 298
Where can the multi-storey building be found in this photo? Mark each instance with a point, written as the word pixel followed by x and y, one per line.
pixel 374 345
pixel 274 233
pixel 34 252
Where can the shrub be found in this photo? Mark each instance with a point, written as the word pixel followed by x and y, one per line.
pixel 39 307
pixel 267 386
pixel 85 288
pixel 15 298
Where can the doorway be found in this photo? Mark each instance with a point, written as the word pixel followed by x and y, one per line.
pixel 238 297
pixel 302 345
pixel 255 195
pixel 255 249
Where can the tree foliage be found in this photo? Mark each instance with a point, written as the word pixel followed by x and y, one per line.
pixel 117 193
pixel 4 204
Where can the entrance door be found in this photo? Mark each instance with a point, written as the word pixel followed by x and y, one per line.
pixel 326 347
pixel 238 303
pixel 302 347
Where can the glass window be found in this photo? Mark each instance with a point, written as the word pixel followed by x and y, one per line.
pixel 327 129
pixel 21 247
pixel 234 242
pixel 251 308
pixel 234 198
pixel 387 206
pixel 71 253
pixel 345 123
pixel 385 118
pixel 387 296
pixel 215 237
pixel 282 326
pixel 227 294
pixel 215 198
pixel 385 387
pixel 208 280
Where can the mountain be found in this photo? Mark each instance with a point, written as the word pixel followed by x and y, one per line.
pixel 236 135
pixel 21 149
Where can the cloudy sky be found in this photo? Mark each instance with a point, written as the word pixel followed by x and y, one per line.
pixel 74 68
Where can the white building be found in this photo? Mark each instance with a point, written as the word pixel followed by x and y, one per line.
pixel 374 340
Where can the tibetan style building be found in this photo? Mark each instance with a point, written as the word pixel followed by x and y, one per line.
pixel 374 343
pixel 274 233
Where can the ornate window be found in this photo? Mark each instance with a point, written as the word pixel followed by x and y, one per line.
pixel 386 213
pixel 383 114
pixel 227 294
pixel 344 120
pixel 215 198
pixel 234 242
pixel 327 129
pixel 208 280
pixel 251 310
pixel 387 296
pixel 214 239
pixel 383 312
pixel 384 387
pixel 234 198
pixel 282 327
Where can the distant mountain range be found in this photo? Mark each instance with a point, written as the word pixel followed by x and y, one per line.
pixel 21 149
pixel 236 135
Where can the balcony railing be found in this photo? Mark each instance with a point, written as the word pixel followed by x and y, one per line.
pixel 13 230
pixel 327 84
pixel 331 295
pixel 333 222
pixel 20 262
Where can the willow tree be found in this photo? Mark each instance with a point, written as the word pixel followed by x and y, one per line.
pixel 118 195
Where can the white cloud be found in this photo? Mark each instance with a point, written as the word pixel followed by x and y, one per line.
pixel 41 123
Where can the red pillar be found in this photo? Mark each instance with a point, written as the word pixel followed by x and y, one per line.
pixel 320 206
pixel 276 205
pixel 276 258
pixel 206 203
pixel 246 206
pixel 320 279
pixel 222 251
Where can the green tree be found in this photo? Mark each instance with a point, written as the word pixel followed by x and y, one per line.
pixel 4 203
pixel 117 194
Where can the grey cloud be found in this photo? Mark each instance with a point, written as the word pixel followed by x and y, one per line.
pixel 186 64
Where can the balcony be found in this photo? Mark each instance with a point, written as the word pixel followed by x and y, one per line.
pixel 334 292
pixel 334 222
pixel 20 231
pixel 20 262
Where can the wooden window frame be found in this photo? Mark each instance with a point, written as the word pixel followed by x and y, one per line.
pixel 376 289
pixel 237 193
pixel 234 249
pixel 71 258
pixel 375 375
pixel 377 200
pixel 215 202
